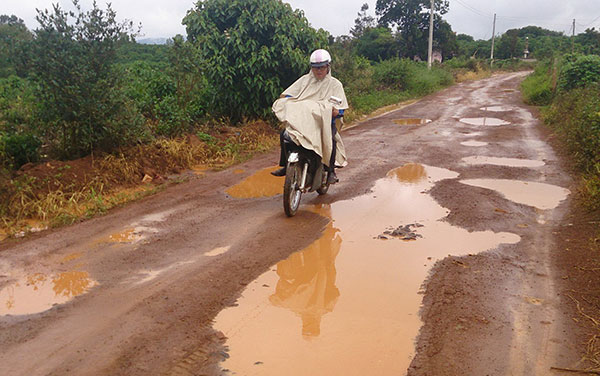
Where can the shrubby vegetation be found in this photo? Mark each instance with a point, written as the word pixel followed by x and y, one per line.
pixel 569 87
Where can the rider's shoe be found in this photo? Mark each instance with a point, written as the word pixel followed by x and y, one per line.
pixel 332 178
pixel 280 172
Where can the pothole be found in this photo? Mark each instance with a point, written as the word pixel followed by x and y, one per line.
pixel 474 143
pixel 501 161
pixel 540 195
pixel 486 121
pixel 412 121
pixel 349 302
pixel 217 251
pixel 260 184
pixel 496 108
pixel 35 293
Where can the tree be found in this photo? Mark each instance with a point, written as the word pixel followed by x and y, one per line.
pixel 251 50
pixel 14 40
pixel 363 22
pixel 82 104
pixel 377 44
pixel 589 41
pixel 509 45
pixel 411 18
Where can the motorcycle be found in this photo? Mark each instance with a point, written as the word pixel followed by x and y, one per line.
pixel 304 173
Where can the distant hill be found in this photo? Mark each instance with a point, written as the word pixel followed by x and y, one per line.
pixel 152 40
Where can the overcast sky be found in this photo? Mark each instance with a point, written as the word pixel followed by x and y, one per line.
pixel 162 18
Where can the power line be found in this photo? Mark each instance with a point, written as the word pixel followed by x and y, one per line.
pixel 473 9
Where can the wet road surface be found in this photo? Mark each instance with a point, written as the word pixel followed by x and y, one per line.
pixel 431 256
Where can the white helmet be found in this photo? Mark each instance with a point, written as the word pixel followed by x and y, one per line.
pixel 320 58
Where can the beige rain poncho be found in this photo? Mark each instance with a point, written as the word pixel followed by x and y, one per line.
pixel 307 115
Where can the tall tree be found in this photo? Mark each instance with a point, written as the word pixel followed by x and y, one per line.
pixel 363 22
pixel 74 58
pixel 411 19
pixel 251 50
pixel 14 41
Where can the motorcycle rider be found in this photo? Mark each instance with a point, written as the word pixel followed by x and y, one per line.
pixel 309 107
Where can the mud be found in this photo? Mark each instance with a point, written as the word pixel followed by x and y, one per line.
pixel 480 294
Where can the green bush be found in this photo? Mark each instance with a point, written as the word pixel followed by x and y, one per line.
pixel 82 104
pixel 19 149
pixel 575 115
pixel 252 50
pixel 580 71
pixel 537 88
pixel 16 102
pixel 393 73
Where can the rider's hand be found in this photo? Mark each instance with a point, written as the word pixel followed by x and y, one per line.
pixel 334 112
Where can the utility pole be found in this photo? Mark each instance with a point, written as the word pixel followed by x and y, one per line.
pixel 493 37
pixel 430 48
pixel 573 38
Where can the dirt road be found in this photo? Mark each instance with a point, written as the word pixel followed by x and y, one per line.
pixel 153 288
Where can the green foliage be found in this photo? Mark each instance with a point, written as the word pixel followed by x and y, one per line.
pixel 411 17
pixel 580 71
pixel 19 149
pixel 363 22
pixel 377 44
pixel 251 50
pixel 82 103
pixel 575 115
pixel 14 42
pixel 537 87
pixel 16 103
pixel 130 52
pixel 509 45
pixel 394 73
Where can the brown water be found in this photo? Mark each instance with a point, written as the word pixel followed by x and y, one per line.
pixel 540 195
pixel 415 121
pixel 34 293
pixel 496 108
pixel 260 184
pixel 348 303
pixel 474 143
pixel 500 161
pixel 487 121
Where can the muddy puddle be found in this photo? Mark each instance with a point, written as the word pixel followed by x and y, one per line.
pixel 486 121
pixel 496 108
pixel 501 161
pixel 474 143
pixel 348 303
pixel 35 293
pixel 412 121
pixel 539 195
pixel 260 184
pixel 217 251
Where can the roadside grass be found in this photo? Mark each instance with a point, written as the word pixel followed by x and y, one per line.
pixel 49 197
pixel 573 114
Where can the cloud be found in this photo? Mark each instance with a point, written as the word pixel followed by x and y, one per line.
pixel 162 18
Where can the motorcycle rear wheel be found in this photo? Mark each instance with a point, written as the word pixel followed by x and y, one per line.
pixel 291 189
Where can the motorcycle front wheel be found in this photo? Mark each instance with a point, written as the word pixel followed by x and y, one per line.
pixel 291 189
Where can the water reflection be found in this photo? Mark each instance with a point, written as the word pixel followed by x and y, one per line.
pixel 38 292
pixel 409 173
pixel 306 283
